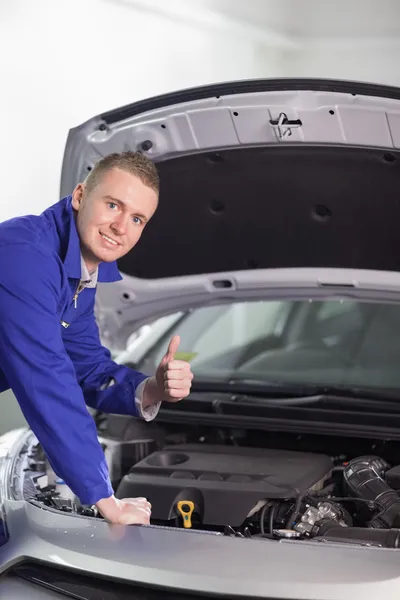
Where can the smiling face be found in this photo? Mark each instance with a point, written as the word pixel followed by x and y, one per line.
pixel 111 217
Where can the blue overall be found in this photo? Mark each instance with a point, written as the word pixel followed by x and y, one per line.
pixel 50 351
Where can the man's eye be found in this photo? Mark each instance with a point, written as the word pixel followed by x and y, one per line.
pixel 137 220
pixel 112 205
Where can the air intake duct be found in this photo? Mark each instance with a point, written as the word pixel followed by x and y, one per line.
pixel 364 478
pixel 384 538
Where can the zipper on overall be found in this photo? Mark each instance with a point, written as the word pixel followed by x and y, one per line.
pixel 78 291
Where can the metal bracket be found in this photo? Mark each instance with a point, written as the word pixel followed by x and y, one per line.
pixel 284 126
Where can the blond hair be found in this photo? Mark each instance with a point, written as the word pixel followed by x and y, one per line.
pixel 132 162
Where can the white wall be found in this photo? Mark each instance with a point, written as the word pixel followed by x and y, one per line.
pixel 65 60
pixel 371 60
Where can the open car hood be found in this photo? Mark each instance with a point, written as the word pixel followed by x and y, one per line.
pixel 271 187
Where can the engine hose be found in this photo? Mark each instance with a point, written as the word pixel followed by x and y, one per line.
pixel 331 531
pixel 363 477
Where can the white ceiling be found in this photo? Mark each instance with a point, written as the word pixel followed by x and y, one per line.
pixel 316 18
pixel 287 24
pixel 339 39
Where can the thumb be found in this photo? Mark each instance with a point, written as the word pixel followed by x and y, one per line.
pixel 172 348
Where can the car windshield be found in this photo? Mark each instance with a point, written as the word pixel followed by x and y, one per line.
pixel 328 343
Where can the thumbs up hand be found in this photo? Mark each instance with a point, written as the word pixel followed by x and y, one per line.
pixel 174 377
pixel 172 380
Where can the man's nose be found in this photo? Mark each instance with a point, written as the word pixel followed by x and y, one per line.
pixel 119 225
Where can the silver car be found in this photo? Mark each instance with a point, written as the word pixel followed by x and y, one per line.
pixel 274 254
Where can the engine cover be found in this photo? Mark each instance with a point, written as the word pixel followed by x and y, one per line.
pixel 224 483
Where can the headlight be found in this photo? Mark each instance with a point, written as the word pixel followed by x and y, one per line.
pixel 8 443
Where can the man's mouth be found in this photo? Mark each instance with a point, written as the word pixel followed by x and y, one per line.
pixel 108 239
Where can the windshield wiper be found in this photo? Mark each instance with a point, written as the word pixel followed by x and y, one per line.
pixel 286 394
pixel 253 386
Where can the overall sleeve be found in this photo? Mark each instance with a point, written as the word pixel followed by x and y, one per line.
pixel 41 373
pixel 106 386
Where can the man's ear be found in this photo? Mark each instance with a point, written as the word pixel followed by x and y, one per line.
pixel 77 196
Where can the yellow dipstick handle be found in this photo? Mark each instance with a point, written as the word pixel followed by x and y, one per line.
pixel 186 508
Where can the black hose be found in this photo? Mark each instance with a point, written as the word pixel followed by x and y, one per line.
pixel 363 477
pixel 262 517
pixel 331 531
pixel 369 503
pixel 294 515
pixel 272 517
pixel 272 506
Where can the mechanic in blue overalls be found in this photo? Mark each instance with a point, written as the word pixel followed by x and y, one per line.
pixel 50 351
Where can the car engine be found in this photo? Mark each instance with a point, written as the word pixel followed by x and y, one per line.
pixel 239 490
pixel 222 484
pixel 296 492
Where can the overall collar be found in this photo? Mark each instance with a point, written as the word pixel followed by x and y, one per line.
pixel 107 272
pixel 88 279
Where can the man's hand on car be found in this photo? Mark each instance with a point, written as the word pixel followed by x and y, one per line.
pixel 128 511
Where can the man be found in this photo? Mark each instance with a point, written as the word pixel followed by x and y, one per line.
pixel 50 352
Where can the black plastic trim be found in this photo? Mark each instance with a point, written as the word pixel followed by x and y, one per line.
pixel 246 87
pixel 282 424
pixel 84 586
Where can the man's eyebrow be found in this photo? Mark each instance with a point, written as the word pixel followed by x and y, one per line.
pixel 122 203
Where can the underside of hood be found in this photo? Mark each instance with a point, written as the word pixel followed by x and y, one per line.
pixel 273 174
pixel 273 207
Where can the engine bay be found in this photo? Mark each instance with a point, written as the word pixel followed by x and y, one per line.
pixel 242 484
pixel 222 484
